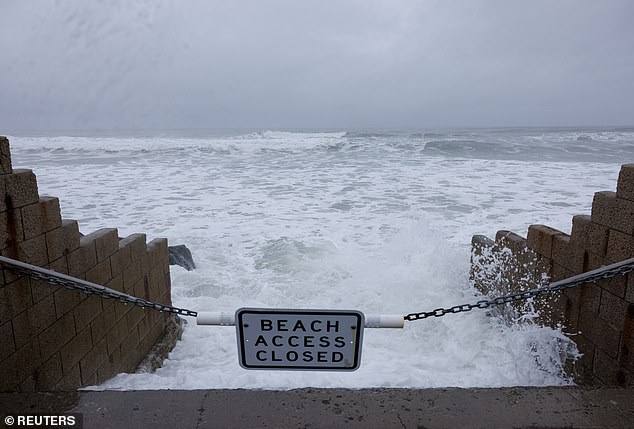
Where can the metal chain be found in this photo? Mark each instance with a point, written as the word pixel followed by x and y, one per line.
pixel 620 268
pixel 54 278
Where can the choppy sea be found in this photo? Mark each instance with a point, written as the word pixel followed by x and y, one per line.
pixel 375 221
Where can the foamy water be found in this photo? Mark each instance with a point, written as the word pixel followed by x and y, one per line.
pixel 379 222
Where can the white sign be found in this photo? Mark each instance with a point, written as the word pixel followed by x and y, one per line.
pixel 328 340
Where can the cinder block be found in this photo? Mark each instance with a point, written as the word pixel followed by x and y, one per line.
pixel 33 251
pixel 7 341
pixel 597 240
pixel 560 273
pixel 93 360
pixel 115 336
pixel 49 374
pixel 121 309
pixel 20 365
pixel 142 288
pixel 615 285
pixel 71 379
pixel 101 324
pixel 606 368
pixel 144 262
pixel 86 311
pixel 158 330
pixel 152 317
pixel 150 339
pixel 156 284
pixel 28 384
pixel 14 299
pixel 479 276
pixel 579 233
pixel 168 289
pixel 561 250
pixel 34 320
pixel 106 242
pixel 75 349
pixel 131 275
pixel 612 212
pixel 596 261
pixel 626 357
pixel 134 316
pixel 136 243
pixel 124 254
pixel 11 376
pixel 41 217
pixel 5 156
pixel 625 185
pixel 59 265
pixel 540 239
pixel 167 297
pixel 110 367
pixel 3 193
pixel 21 189
pixel 66 300
pixel 72 237
pixel 571 312
pixel 41 290
pixel 117 265
pixel 145 341
pixel 145 325
pixel 620 246
pixel 57 335
pixel 116 283
pixel 100 273
pixel 130 353
pixel 89 379
pixel 578 259
pixel 82 259
pixel 601 333
pixel 11 231
pixel 628 322
pixel 509 239
pixel 613 309
pixel 583 372
pixel 55 244
pixel 589 301
pixel 157 250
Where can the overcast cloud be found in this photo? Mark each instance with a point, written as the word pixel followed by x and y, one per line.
pixel 314 64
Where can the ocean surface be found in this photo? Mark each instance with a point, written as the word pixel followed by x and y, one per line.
pixel 375 221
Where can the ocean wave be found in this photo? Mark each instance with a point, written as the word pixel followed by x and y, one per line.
pixel 601 145
pixel 289 135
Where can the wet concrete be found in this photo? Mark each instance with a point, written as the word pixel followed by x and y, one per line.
pixel 337 408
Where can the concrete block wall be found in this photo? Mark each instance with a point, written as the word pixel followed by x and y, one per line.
pixel 600 315
pixel 53 338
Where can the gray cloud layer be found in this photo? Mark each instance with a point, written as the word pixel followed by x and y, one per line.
pixel 312 64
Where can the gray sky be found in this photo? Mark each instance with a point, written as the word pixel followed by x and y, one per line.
pixel 122 64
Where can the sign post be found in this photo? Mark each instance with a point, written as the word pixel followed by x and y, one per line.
pixel 326 340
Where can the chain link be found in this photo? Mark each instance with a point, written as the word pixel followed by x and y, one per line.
pixel 618 269
pixel 83 286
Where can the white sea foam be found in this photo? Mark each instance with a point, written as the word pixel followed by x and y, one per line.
pixel 333 220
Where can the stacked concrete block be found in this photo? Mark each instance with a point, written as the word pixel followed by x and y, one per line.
pixel 602 314
pixel 507 265
pixel 53 338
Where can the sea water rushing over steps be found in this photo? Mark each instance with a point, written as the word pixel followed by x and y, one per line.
pixel 379 222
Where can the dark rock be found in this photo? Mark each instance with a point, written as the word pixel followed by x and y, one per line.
pixel 180 255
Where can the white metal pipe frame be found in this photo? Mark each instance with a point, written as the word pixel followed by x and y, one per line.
pixel 217 318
